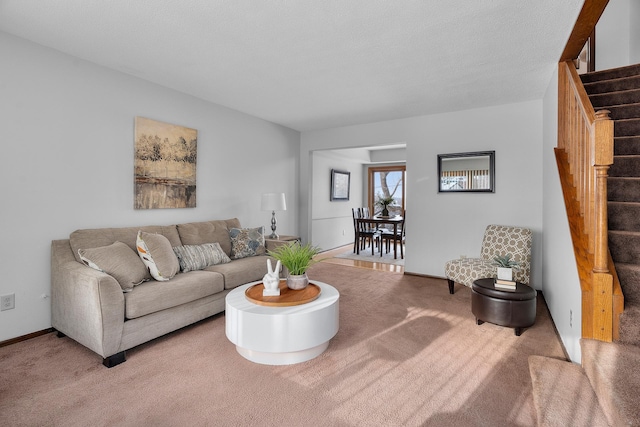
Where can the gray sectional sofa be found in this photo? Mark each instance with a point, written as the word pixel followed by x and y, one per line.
pixel 110 315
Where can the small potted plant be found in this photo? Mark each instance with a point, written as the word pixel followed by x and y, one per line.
pixel 297 259
pixel 505 265
pixel 384 203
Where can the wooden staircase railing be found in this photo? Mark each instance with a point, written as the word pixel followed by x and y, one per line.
pixel 584 155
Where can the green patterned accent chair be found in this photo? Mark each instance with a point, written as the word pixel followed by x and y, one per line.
pixel 498 240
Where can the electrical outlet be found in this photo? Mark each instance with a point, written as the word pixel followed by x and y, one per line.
pixel 571 318
pixel 344 232
pixel 7 302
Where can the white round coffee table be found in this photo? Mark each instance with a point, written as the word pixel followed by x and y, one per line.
pixel 281 335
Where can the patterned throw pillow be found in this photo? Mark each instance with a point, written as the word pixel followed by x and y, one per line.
pixel 117 260
pixel 157 254
pixel 197 257
pixel 246 242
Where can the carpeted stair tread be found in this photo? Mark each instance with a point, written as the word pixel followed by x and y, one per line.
pixel 629 331
pixel 624 246
pixel 626 145
pixel 620 189
pixel 613 85
pixel 623 111
pixel 627 127
pixel 618 90
pixel 631 96
pixel 629 275
pixel 562 394
pixel 612 370
pixel 626 165
pixel 624 216
pixel 613 73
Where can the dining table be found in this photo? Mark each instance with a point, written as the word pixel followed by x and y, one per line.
pixel 377 221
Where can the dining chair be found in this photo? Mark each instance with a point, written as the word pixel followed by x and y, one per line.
pixel 356 238
pixel 364 232
pixel 387 236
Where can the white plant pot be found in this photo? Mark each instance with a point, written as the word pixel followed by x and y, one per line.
pixel 297 282
pixel 505 273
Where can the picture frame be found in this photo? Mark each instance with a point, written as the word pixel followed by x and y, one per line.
pixel 340 185
pixel 164 165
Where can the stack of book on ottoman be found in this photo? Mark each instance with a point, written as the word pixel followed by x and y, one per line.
pixel 508 285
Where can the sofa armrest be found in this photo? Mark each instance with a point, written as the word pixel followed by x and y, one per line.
pixel 87 305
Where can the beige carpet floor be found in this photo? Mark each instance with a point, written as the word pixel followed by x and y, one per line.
pixel 407 354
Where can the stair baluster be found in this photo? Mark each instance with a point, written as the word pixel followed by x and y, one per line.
pixel 585 142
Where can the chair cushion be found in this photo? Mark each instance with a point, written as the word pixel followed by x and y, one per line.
pixel 154 296
pixel 97 237
pixel 466 270
pixel 197 233
pixel 242 271
pixel 502 240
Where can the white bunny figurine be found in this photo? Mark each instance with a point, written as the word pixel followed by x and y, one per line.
pixel 271 280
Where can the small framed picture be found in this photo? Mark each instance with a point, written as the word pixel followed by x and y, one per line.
pixel 340 184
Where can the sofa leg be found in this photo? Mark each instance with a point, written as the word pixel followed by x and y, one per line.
pixel 518 331
pixel 114 360
pixel 450 286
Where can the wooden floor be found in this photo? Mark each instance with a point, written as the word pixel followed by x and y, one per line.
pixel 329 257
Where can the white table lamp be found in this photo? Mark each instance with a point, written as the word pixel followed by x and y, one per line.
pixel 273 202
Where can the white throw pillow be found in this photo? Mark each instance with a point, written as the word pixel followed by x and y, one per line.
pixel 157 254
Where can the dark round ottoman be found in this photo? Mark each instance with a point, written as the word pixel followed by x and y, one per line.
pixel 510 308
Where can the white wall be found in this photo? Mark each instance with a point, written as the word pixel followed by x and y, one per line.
pixel 332 221
pixel 445 226
pixel 634 31
pixel 67 131
pixel 560 281
pixel 618 35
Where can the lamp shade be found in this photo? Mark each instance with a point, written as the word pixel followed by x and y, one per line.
pixel 274 202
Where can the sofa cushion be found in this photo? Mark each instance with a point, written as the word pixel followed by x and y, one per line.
pixel 153 296
pixel 117 260
pixel 197 257
pixel 97 237
pixel 157 254
pixel 242 271
pixel 246 242
pixel 197 233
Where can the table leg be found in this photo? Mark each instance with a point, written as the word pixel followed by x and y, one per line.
pixel 395 235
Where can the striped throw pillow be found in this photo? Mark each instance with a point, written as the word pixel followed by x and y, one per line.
pixel 197 257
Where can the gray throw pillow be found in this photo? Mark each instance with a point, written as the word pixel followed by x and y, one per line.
pixel 197 257
pixel 117 260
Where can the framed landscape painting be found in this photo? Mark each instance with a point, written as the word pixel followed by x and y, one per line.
pixel 165 165
pixel 340 183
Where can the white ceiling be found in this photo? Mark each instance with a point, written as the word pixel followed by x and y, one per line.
pixel 315 64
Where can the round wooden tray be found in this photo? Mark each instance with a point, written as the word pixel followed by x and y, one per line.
pixel 288 297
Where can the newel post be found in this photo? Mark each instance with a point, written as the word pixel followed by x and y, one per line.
pixel 602 282
pixel 603 159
